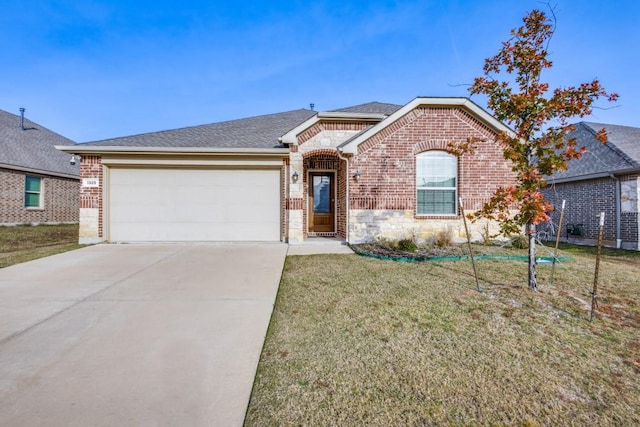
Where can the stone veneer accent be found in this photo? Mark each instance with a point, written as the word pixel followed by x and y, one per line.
pixel 390 224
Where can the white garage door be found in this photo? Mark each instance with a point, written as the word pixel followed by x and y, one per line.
pixel 167 205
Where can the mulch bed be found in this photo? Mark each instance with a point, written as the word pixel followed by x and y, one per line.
pixel 423 252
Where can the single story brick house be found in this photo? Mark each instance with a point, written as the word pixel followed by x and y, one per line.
pixel 360 173
pixel 606 179
pixel 37 183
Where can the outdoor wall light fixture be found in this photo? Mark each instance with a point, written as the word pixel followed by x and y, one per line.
pixel 295 176
pixel 356 176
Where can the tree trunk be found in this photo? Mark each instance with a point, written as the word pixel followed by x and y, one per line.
pixel 531 232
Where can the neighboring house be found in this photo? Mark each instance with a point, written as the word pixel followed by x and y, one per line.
pixel 358 174
pixel 606 179
pixel 37 183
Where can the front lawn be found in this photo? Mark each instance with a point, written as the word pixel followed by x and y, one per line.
pixel 361 341
pixel 23 243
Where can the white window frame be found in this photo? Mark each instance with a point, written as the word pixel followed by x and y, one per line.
pixel 442 156
pixel 40 193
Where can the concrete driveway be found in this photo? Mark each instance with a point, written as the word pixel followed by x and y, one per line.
pixel 144 335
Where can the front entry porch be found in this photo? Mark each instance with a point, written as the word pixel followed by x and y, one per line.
pixel 321 205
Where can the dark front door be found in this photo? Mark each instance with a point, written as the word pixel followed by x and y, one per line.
pixel 321 202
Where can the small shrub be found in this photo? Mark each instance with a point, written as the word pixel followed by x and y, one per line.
pixel 521 242
pixel 486 234
pixel 407 245
pixel 444 238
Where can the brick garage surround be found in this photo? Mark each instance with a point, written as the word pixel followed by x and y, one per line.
pixel 382 202
pixel 60 199
pixel 91 201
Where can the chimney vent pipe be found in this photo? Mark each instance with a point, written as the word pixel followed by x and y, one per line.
pixel 22 118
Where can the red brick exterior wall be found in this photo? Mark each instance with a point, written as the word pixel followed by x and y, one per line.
pixel 91 197
pixel 60 199
pixel 387 161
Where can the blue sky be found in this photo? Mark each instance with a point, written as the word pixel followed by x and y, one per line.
pixel 98 69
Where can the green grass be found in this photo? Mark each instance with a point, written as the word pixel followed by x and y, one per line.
pixel 360 341
pixel 592 250
pixel 23 243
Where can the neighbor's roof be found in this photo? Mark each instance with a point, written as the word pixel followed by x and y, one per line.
pixel 620 154
pixel 32 149
pixel 251 132
pixel 625 139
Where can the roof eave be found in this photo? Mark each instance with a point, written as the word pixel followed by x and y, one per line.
pixel 39 171
pixel 111 150
pixel 589 176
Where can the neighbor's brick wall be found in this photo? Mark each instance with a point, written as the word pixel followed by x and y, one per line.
pixel 387 164
pixel 584 202
pixel 630 216
pixel 60 199
pixel 630 230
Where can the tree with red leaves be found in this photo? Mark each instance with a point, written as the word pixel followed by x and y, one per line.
pixel 539 145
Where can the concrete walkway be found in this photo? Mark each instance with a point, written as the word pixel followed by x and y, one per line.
pixel 318 249
pixel 144 335
pixel 319 245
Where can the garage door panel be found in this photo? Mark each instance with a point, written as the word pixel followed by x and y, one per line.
pixel 194 205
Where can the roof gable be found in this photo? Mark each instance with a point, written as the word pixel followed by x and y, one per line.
pixel 351 146
pixel 32 148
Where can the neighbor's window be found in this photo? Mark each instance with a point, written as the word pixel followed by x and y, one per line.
pixel 33 192
pixel 436 183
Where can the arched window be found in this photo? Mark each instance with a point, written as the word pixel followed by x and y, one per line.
pixel 436 183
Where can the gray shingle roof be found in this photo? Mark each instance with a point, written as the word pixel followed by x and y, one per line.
pixel 371 107
pixel 33 147
pixel 625 139
pixel 252 132
pixel 622 151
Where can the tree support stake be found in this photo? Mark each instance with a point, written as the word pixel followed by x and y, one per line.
pixel 555 252
pixel 466 230
pixel 594 292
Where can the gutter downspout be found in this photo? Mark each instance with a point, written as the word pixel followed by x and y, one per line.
pixel 287 192
pixel 618 210
pixel 348 176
